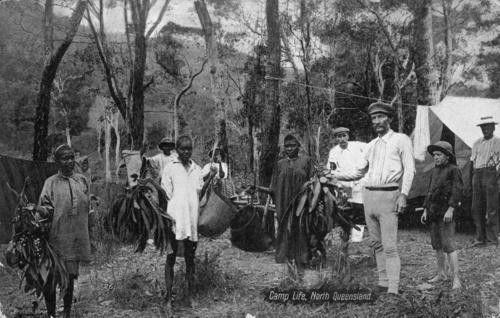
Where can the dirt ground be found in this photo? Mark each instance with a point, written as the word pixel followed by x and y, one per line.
pixel 231 284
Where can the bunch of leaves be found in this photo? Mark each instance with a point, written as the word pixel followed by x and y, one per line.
pixel 30 251
pixel 141 210
pixel 318 208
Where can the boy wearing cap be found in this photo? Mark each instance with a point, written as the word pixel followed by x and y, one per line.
pixel 485 159
pixel 389 168
pixel 441 202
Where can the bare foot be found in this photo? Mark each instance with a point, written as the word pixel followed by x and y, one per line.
pixel 456 284
pixel 437 278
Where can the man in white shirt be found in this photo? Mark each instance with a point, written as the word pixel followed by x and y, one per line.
pixel 485 157
pixel 389 168
pixel 168 154
pixel 345 156
pixel 182 181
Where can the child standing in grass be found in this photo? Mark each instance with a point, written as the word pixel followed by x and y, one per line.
pixel 441 202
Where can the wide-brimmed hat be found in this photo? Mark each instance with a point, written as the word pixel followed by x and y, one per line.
pixel 380 107
pixel 444 147
pixel 487 120
pixel 166 141
pixel 339 130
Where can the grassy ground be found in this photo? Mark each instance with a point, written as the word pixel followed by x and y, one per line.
pixel 231 284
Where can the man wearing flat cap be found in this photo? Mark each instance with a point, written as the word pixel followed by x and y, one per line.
pixel 345 156
pixel 168 154
pixel 389 168
pixel 485 159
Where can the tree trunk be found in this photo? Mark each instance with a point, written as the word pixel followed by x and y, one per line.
pixel 48 27
pixel 107 145
pixel 271 114
pixel 132 107
pixel 215 83
pixel 184 90
pixel 137 108
pixel 40 149
pixel 115 123
pixel 446 73
pixel 305 41
pixel 427 79
pixel 68 136
pixel 99 135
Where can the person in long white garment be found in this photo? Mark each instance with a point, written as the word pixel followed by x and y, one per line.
pixel 182 181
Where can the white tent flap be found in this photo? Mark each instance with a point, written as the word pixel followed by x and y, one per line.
pixel 421 134
pixel 462 114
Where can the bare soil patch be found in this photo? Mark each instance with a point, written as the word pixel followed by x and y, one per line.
pixel 231 284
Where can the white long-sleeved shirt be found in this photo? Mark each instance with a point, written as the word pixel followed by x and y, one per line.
pixel 346 160
pixel 161 160
pixel 388 161
pixel 182 187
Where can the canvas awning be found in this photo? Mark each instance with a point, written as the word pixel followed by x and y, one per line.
pixel 461 115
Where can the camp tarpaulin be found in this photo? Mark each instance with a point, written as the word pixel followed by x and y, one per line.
pixel 14 171
pixel 460 115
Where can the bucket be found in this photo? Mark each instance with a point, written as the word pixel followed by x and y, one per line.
pixel 247 233
pixel 357 236
pixel 133 162
pixel 216 214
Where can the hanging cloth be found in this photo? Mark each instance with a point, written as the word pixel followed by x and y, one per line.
pixel 421 134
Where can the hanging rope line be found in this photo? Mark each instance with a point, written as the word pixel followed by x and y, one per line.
pixel 333 91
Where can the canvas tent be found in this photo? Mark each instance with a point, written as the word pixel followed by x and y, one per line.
pixel 460 115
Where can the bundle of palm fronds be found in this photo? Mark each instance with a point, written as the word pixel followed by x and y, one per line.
pixel 318 209
pixel 30 251
pixel 138 212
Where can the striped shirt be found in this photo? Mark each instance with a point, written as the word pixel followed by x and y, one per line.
pixel 388 162
pixel 486 153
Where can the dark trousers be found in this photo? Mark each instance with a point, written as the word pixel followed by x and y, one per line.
pixel 189 257
pixel 49 294
pixel 485 204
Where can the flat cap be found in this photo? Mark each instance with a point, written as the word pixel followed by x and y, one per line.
pixel 379 107
pixel 339 130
